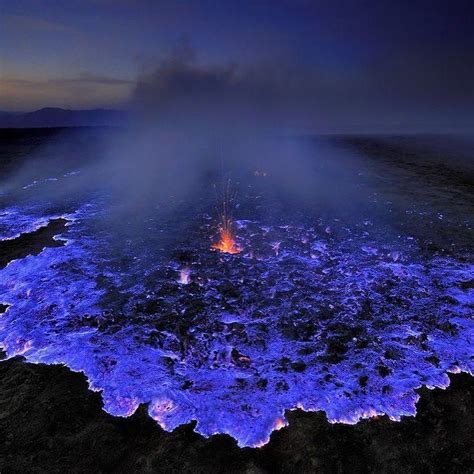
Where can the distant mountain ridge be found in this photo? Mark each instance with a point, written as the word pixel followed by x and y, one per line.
pixel 57 117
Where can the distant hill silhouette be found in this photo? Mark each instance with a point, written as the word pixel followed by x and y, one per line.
pixel 56 117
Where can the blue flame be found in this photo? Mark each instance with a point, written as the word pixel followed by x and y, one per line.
pixel 318 317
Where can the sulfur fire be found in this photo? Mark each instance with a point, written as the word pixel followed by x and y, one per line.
pixel 227 243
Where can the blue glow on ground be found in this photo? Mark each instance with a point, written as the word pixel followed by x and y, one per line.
pixel 321 316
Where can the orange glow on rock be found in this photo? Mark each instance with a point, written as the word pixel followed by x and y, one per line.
pixel 280 423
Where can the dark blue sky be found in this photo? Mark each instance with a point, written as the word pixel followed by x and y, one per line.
pixel 363 62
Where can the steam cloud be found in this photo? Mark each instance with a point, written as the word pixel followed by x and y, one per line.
pixel 189 122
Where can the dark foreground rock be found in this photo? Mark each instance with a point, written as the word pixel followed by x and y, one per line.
pixel 51 422
pixel 32 243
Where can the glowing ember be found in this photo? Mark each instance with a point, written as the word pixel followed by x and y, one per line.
pixel 227 242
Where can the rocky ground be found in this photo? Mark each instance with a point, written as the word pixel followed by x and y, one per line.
pixel 51 422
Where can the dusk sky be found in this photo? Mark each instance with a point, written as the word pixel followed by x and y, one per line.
pixel 361 64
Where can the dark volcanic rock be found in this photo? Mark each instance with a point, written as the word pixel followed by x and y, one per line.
pixel 32 243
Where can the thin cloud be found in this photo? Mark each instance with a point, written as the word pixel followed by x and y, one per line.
pixel 84 91
pixel 24 22
pixel 88 78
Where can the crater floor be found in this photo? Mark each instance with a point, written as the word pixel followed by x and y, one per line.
pixel 348 315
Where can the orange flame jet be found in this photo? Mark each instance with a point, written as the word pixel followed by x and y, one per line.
pixel 227 242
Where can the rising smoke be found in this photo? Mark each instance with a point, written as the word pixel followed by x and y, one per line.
pixel 191 125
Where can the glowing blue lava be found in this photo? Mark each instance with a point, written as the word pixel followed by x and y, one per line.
pixel 318 317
